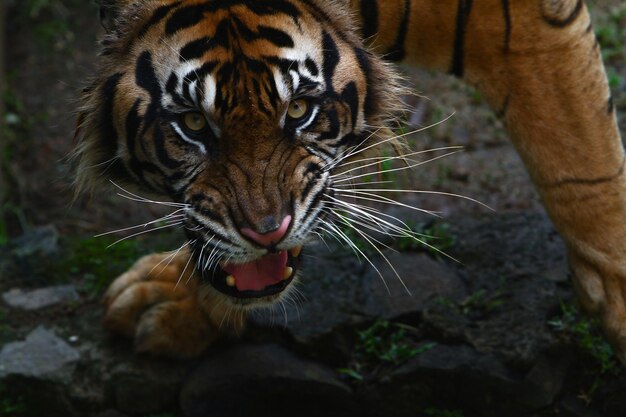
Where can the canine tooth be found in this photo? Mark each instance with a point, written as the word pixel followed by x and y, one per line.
pixel 288 272
pixel 295 252
pixel 230 281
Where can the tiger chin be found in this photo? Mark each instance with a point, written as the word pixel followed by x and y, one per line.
pixel 243 114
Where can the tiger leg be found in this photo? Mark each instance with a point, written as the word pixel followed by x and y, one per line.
pixel 550 86
pixel 160 305
pixel 539 65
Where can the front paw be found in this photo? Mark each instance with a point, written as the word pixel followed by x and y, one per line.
pixel 601 288
pixel 156 304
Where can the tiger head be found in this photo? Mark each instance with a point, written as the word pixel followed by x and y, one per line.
pixel 241 111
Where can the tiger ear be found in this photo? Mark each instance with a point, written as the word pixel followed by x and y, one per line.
pixel 110 11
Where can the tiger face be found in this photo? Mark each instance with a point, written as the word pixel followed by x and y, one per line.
pixel 240 111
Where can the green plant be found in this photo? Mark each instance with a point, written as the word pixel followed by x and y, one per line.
pixel 611 33
pixel 10 406
pixel 383 345
pixel 434 238
pixel 588 336
pixel 437 412
pixel 95 260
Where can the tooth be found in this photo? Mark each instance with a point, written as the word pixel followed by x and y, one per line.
pixel 295 252
pixel 288 272
pixel 230 281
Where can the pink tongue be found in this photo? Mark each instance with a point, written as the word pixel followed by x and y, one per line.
pixel 259 274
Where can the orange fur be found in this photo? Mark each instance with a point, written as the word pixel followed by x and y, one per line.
pixel 537 63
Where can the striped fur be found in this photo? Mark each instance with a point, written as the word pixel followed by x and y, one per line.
pixel 241 62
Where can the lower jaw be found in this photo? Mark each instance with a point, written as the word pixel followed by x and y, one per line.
pixel 217 279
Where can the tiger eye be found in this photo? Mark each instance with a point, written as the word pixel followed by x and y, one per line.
pixel 194 121
pixel 297 109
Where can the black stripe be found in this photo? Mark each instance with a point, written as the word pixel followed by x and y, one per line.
pixel 350 140
pixel 272 7
pixel 108 126
pixel 610 105
pixel 333 124
pixel 133 123
pixel 311 66
pixel 158 138
pixel 590 181
pixel 561 23
pixel 277 37
pixel 108 91
pixel 331 60
pixel 369 16
pixel 506 12
pixel 197 48
pixel 350 95
pixel 364 63
pixel 397 51
pixel 463 11
pixel 146 78
pixel 187 17
pixel 158 15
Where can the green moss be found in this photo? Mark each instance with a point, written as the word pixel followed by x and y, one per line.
pixel 382 345
pixel 586 333
pixel 10 406
pixel 437 412
pixel 434 238
pixel 611 33
pixel 94 261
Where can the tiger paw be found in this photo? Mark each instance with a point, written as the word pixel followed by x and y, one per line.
pixel 601 289
pixel 159 304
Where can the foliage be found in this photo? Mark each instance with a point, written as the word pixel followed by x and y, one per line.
pixel 611 33
pixel 436 412
pixel 382 345
pixel 434 238
pixel 10 406
pixel 587 335
pixel 96 260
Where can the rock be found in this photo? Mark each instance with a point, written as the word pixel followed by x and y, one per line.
pixel 145 385
pixel 40 369
pixel 341 293
pixel 40 298
pixel 468 379
pixel 262 380
pixel 110 413
pixel 41 354
pixel 41 241
pixel 420 279
pixel 573 407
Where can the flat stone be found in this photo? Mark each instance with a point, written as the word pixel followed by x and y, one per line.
pixel 480 380
pixel 41 241
pixel 262 380
pixel 419 279
pixel 143 385
pixel 41 297
pixel 42 354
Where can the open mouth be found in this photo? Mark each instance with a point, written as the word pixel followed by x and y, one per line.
pixel 263 277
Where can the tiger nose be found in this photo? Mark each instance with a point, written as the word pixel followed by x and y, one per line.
pixel 272 232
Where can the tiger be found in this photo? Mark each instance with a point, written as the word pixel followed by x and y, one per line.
pixel 243 112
